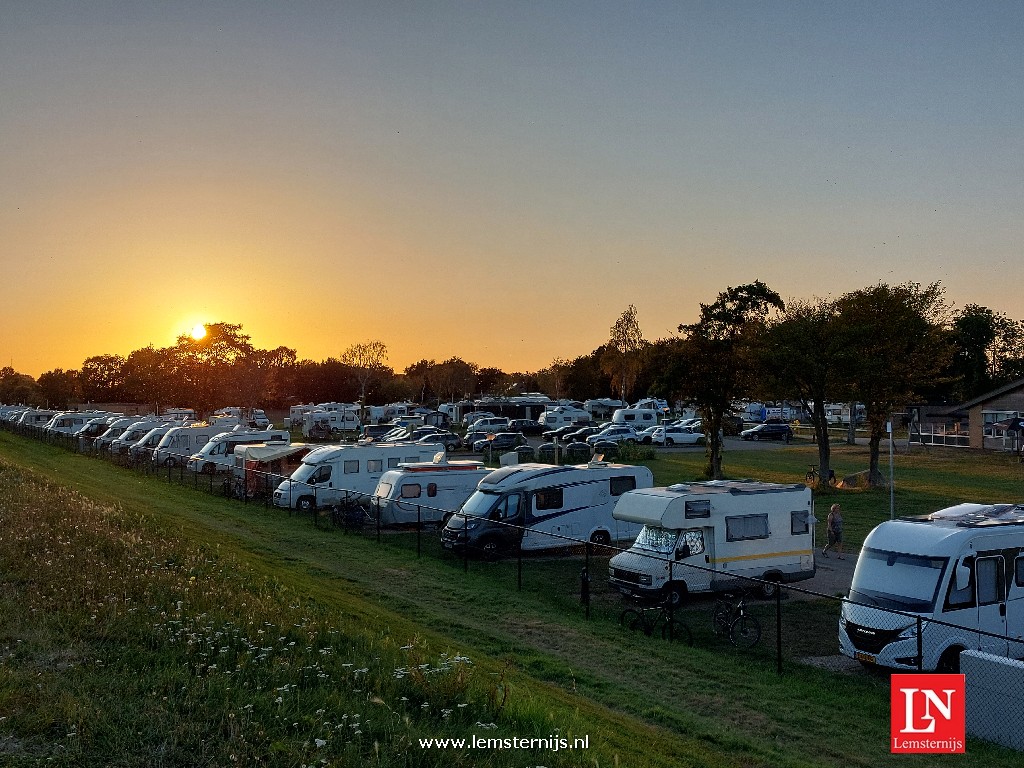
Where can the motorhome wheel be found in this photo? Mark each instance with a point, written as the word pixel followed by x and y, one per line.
pixel 769 587
pixel 305 504
pixel 490 549
pixel 949 663
pixel 675 593
pixel 601 538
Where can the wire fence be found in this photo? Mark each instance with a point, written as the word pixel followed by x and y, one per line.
pixel 773 621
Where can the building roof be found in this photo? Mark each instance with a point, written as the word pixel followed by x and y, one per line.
pixel 992 395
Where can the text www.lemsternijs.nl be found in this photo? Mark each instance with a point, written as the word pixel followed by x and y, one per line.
pixel 552 743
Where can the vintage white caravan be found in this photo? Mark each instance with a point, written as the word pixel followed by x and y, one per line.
pixel 563 415
pixel 703 536
pixel 335 474
pixel 322 422
pixel 218 455
pixel 543 506
pixel 426 492
pixel 937 582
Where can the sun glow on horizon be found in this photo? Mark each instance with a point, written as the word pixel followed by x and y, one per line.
pixel 198 331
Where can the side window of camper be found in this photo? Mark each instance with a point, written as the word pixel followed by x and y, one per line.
pixel 629 417
pixel 961 598
pixel 1018 571
pixel 548 498
pixel 990 580
pixel 218 450
pixel 694 540
pixel 619 485
pixel 322 475
pixel 393 462
pixel 431 489
pixel 411 491
pixel 411 459
pixel 798 522
pixel 374 465
pixel 352 467
pixel 698 508
pixel 744 527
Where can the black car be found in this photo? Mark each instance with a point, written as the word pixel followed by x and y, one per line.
pixel 503 441
pixel 768 432
pixel 471 437
pixel 526 426
pixel 450 440
pixel 560 432
pixel 580 435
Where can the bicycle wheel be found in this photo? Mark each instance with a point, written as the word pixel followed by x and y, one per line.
pixel 810 477
pixel 745 631
pixel 721 619
pixel 633 620
pixel 677 631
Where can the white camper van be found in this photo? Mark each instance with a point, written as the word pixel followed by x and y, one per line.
pixel 114 431
pixel 318 423
pixel 638 418
pixel 179 443
pixel 726 528
pixel 962 566
pixel 218 455
pixel 426 492
pixel 133 434
pixel 523 504
pixel 338 473
pixel 563 416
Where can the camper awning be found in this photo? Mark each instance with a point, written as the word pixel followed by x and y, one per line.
pixel 265 453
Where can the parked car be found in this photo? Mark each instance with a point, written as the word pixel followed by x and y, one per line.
pixel 471 437
pixel 449 440
pixel 371 432
pixel 526 426
pixel 560 432
pixel 768 432
pixel 671 435
pixel 580 435
pixel 421 432
pixel 503 441
pixel 646 434
pixel 617 433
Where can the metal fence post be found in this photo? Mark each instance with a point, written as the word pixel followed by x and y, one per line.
pixel 585 582
pixel 920 645
pixel 419 526
pixel 778 628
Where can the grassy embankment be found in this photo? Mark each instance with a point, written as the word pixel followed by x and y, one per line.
pixel 148 624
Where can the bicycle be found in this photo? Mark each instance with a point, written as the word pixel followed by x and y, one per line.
pixel 651 618
pixel 813 478
pixel 730 619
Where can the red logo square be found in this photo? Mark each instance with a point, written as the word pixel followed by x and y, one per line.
pixel 927 713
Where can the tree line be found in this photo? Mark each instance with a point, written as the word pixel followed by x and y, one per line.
pixel 884 346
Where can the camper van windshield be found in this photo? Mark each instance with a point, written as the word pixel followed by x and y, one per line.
pixel 657 539
pixel 303 473
pixel 897 580
pixel 480 503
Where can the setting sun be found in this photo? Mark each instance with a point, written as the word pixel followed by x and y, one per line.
pixel 198 331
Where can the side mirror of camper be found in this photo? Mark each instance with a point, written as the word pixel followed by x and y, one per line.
pixel 683 551
pixel 963 577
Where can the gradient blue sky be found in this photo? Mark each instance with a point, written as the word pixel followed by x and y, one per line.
pixel 496 181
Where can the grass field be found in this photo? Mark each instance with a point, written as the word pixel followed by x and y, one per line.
pixel 142 623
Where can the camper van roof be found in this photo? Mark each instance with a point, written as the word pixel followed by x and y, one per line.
pixel 968 515
pixel 441 466
pixel 734 487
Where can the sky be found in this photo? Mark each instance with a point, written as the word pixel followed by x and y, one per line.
pixel 491 180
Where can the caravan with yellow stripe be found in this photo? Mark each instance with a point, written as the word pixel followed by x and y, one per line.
pixel 704 536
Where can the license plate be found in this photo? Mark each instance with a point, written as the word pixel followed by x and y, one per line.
pixel 865 657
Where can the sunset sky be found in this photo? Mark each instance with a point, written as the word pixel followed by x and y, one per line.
pixel 497 181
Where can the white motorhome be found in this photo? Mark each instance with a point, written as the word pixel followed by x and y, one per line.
pixel 133 433
pixel 725 529
pixel 149 442
pixel 937 582
pixel 337 473
pixel 563 415
pixel 114 431
pixel 179 443
pixel 638 418
pixel 542 506
pixel 426 492
pixel 35 417
pixel 69 422
pixel 218 455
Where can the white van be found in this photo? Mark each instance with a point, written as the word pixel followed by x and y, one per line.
pixel 336 473
pixel 524 504
pixel 728 529
pixel 562 416
pixel 489 424
pixel 426 492
pixel 962 566
pixel 638 418
pixel 177 444
pixel 218 455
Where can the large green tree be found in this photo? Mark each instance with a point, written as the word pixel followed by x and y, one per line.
pixel 717 361
pixel 900 337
